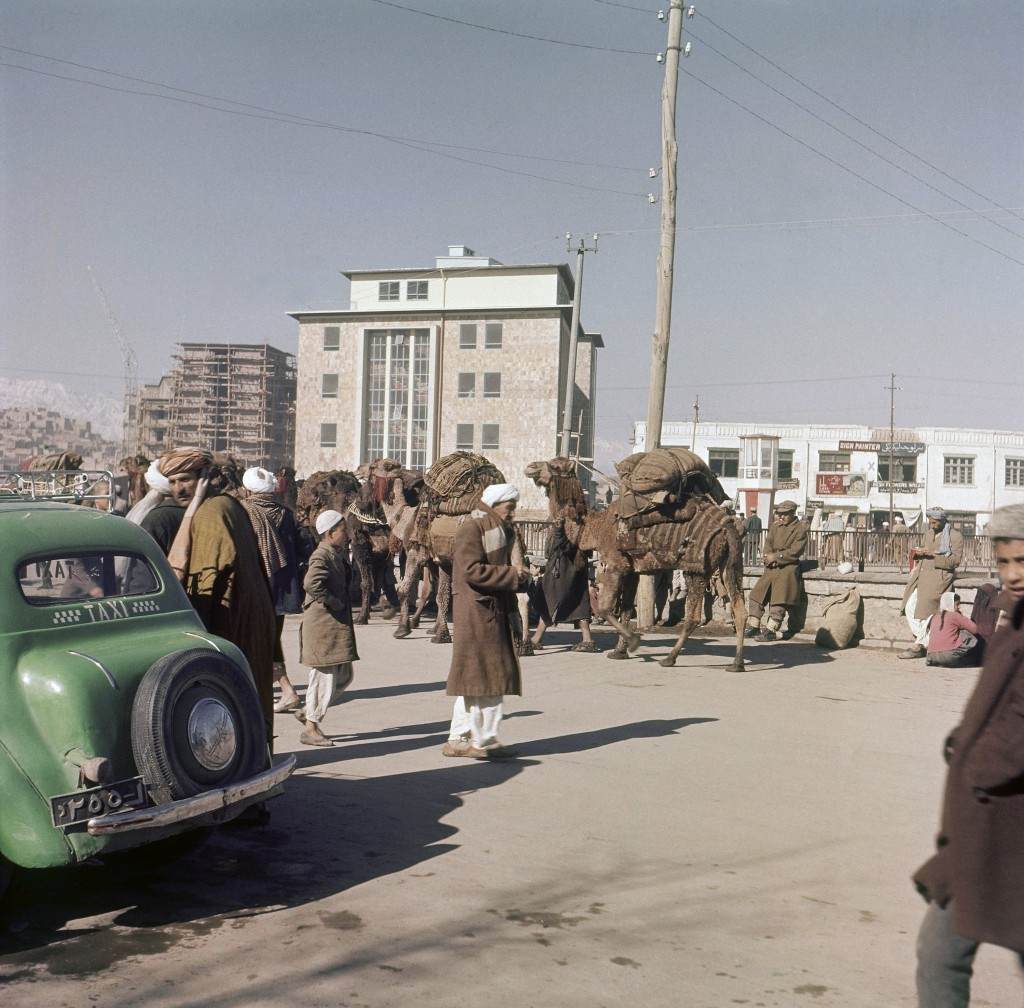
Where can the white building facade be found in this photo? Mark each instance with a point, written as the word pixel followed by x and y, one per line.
pixel 846 469
pixel 467 354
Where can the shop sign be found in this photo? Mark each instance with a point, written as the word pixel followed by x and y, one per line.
pixel 884 447
pixel 841 485
pixel 788 484
pixel 910 488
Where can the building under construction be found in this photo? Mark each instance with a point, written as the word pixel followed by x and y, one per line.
pixel 237 398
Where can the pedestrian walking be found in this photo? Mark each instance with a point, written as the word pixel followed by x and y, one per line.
pixel 781 586
pixel 280 548
pixel 484 666
pixel 974 884
pixel 935 563
pixel 753 540
pixel 327 638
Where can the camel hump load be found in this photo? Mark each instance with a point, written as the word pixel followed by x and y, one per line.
pixel 456 481
pixel 663 479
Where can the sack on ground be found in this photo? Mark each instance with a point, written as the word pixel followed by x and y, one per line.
pixel 841 622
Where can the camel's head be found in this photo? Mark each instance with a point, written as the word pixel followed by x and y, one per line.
pixel 557 477
pixel 133 464
pixel 330 490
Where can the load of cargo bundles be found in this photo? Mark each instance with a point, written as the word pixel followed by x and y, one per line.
pixel 456 481
pixel 664 477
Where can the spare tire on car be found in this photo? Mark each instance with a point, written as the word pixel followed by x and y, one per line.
pixel 196 725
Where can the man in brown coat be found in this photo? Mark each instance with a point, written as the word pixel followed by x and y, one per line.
pixel 935 564
pixel 974 884
pixel 781 586
pixel 484 664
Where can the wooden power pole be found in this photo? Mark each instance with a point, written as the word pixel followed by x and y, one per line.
pixel 564 449
pixel 666 266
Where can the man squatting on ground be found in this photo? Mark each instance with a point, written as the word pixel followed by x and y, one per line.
pixel 974 884
pixel 327 638
pixel 781 585
pixel 937 558
pixel 484 664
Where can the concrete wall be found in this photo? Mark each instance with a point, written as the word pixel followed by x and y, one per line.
pixel 486 288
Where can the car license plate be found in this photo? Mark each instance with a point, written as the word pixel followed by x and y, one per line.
pixel 67 810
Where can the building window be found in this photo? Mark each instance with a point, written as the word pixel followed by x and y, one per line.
pixel 785 467
pixel 329 386
pixel 958 470
pixel 388 290
pixel 492 336
pixel 328 435
pixel 397 396
pixel 724 461
pixel 905 469
pixel 467 336
pixel 467 384
pixel 332 337
pixel 1015 472
pixel 833 461
pixel 489 437
pixel 416 290
pixel 492 384
pixel 464 437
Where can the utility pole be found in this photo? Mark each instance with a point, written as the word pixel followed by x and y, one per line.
pixel 696 420
pixel 893 389
pixel 570 371
pixel 667 246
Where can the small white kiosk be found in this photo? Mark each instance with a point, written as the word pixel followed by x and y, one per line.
pixel 758 476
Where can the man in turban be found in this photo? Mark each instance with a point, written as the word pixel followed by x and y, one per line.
pixel 935 563
pixel 484 664
pixel 222 568
pixel 175 475
pixel 974 884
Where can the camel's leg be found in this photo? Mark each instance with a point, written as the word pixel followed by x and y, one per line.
pixel 739 612
pixel 611 582
pixel 427 590
pixel 364 564
pixel 695 589
pixel 385 570
pixel 444 605
pixel 525 642
pixel 416 560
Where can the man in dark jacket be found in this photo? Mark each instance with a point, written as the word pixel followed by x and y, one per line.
pixel 781 586
pixel 974 884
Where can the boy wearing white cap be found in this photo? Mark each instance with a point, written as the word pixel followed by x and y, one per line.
pixel 327 638
pixel 484 664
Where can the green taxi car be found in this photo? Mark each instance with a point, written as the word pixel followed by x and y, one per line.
pixel 122 720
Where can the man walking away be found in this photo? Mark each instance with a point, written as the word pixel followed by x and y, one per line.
pixel 781 585
pixel 327 638
pixel 484 665
pixel 974 884
pixel 937 559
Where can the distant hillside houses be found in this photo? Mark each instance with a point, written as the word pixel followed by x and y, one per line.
pixel 29 431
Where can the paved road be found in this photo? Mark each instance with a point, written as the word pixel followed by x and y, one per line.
pixel 686 837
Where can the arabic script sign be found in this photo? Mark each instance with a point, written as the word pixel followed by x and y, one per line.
pixel 884 447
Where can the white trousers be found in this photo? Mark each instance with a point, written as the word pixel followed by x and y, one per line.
pixel 325 688
pixel 918 627
pixel 476 718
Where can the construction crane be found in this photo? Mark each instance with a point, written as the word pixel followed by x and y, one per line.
pixel 130 367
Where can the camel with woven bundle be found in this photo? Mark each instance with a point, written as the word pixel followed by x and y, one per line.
pixel 649 531
pixel 135 466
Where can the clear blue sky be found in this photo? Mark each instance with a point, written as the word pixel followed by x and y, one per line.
pixel 207 225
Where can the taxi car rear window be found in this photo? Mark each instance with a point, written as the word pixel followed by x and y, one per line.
pixel 56 580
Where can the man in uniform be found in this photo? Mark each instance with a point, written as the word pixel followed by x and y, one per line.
pixel 781 586
pixel 935 564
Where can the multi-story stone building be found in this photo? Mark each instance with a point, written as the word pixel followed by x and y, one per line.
pixel 27 432
pixel 149 418
pixel 846 469
pixel 467 354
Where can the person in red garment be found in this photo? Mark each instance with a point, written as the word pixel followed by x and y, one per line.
pixel 951 635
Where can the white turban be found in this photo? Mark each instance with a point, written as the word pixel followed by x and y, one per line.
pixel 326 520
pixel 498 493
pixel 156 480
pixel 936 512
pixel 257 480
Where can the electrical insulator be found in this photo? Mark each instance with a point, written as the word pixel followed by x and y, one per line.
pixel 651 198
pixel 691 11
pixel 661 15
pixel 687 48
pixel 660 57
pixel 652 172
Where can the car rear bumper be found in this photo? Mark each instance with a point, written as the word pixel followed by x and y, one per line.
pixel 233 798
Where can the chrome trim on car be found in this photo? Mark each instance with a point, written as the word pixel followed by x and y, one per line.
pixel 205 640
pixel 99 665
pixel 191 808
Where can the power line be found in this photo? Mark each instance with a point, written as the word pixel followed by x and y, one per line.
pixel 855 118
pixel 311 121
pixel 851 171
pixel 514 34
pixel 843 133
pixel 302 122
pixel 737 384
pixel 612 3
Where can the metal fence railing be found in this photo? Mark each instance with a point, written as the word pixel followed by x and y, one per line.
pixel 865 550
